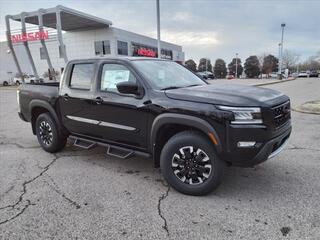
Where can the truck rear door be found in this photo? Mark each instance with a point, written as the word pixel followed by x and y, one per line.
pixel 76 94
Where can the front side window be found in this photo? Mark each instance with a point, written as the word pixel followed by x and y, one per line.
pixel 81 75
pixel 122 48
pixel 112 74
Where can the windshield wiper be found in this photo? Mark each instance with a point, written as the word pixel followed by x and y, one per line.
pixel 171 87
pixel 193 85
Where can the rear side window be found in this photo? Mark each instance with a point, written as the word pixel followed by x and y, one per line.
pixel 81 76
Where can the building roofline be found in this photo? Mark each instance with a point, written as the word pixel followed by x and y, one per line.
pixel 62 9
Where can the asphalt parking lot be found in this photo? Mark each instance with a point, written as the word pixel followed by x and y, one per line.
pixel 80 194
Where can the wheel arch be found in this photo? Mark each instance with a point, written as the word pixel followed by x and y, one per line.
pixel 168 124
pixel 37 107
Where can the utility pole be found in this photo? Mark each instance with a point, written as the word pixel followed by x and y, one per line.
pixel 281 51
pixel 158 28
pixel 236 65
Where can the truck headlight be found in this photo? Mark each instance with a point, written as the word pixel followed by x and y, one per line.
pixel 244 115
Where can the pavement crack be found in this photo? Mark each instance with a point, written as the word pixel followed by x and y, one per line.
pixel 56 188
pixel 302 148
pixel 25 183
pixel 18 214
pixel 18 145
pixel 162 198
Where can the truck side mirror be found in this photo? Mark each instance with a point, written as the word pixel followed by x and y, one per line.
pixel 128 88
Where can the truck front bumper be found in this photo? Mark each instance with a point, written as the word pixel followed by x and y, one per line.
pixel 268 144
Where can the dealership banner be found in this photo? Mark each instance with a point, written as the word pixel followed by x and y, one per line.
pixel 32 36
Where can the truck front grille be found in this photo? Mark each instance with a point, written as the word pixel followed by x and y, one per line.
pixel 281 114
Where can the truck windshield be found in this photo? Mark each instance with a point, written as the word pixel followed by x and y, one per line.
pixel 167 75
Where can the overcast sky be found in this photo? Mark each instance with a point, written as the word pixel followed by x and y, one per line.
pixel 213 29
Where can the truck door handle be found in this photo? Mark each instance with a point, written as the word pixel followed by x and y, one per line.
pixel 99 100
pixel 66 97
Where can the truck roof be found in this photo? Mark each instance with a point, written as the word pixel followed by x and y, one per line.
pixel 119 58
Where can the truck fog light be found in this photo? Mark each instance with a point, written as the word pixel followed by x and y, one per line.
pixel 246 144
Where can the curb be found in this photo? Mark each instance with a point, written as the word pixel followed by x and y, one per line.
pixel 274 82
pixel 304 111
pixel 311 107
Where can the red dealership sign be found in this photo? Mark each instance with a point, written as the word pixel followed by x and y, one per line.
pixel 146 52
pixel 33 36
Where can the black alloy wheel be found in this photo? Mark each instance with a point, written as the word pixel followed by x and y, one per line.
pixel 190 164
pixel 50 137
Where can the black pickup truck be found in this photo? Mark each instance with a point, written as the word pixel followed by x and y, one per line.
pixel 191 129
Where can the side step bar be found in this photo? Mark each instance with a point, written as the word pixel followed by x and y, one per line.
pixel 86 144
pixel 119 152
pixel 112 150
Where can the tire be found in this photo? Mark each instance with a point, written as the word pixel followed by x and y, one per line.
pixel 204 164
pixel 5 83
pixel 48 134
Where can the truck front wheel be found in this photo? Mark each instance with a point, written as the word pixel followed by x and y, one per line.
pixel 190 164
pixel 48 134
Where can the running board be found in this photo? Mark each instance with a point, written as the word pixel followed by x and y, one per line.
pixel 119 152
pixel 112 150
pixel 82 143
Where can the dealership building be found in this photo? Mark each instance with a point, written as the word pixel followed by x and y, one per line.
pixel 59 34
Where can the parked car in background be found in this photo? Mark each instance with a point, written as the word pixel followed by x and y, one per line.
pixel 206 75
pixel 27 79
pixel 303 74
pixel 314 74
pixel 230 77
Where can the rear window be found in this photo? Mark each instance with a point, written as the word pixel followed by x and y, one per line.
pixel 81 76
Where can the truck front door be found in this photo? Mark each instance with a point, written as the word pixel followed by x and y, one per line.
pixel 123 117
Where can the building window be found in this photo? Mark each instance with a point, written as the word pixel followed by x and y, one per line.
pixel 106 47
pixel 98 48
pixel 166 54
pixel 42 53
pixel 102 47
pixel 81 76
pixel 122 48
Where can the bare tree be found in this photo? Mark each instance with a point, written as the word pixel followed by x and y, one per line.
pixel 261 57
pixel 289 59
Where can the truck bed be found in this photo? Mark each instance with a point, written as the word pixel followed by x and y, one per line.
pixel 28 92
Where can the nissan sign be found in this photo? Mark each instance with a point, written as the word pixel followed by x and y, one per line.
pixel 33 36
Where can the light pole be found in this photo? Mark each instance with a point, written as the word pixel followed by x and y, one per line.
pixel 158 29
pixel 279 56
pixel 236 65
pixel 206 65
pixel 281 51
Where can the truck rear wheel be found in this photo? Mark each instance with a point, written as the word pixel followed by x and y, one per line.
pixel 48 134
pixel 190 164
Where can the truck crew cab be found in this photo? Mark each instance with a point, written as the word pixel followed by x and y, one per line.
pixel 158 108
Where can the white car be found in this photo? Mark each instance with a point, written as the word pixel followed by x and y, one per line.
pixel 303 74
pixel 27 79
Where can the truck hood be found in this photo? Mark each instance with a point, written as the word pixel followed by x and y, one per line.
pixel 229 95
